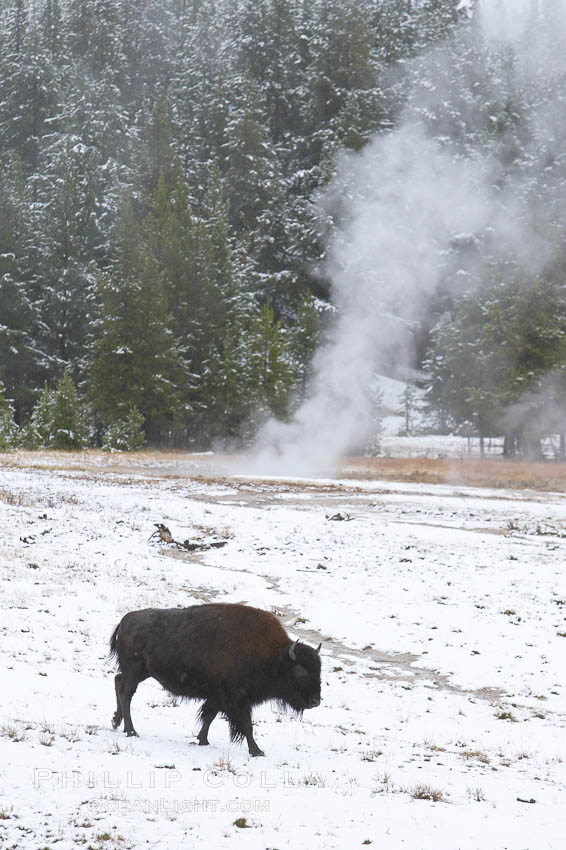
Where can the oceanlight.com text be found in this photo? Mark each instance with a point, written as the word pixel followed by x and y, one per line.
pixel 176 807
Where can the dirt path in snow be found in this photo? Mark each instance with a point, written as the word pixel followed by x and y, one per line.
pixel 390 666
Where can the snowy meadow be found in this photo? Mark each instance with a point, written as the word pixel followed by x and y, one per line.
pixel 442 615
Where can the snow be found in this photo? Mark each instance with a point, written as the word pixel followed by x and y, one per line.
pixel 435 445
pixel 442 615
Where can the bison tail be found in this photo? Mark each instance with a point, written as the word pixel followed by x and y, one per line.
pixel 113 643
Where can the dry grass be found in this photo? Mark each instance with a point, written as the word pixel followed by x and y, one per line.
pixel 493 472
pixel 426 792
pixel 17 500
pixel 473 473
pixel 223 765
pixel 476 794
pixel 476 755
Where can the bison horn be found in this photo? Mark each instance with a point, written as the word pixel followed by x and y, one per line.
pixel 317 650
pixel 292 655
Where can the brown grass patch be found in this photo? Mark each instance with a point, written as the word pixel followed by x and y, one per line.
pixel 500 473
pixel 11 498
pixel 494 472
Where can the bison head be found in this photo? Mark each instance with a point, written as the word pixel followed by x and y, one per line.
pixel 301 676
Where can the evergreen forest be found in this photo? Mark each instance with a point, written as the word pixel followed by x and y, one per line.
pixel 162 244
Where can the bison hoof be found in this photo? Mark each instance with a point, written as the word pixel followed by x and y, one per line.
pixel 116 722
pixel 132 734
pixel 203 743
pixel 257 752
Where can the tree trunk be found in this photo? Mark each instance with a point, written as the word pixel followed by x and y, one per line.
pixel 509 445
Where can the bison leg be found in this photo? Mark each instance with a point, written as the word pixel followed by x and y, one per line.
pixel 118 716
pixel 253 748
pixel 240 720
pixel 125 689
pixel 207 714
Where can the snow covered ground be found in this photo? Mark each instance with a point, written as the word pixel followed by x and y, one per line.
pixel 442 612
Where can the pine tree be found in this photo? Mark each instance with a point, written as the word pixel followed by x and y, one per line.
pixel 9 432
pixel 68 237
pixel 126 435
pixel 343 63
pixel 18 360
pixel 305 338
pixel 160 161
pixel 490 359
pixel 277 68
pixel 38 432
pixel 52 33
pixel 396 30
pixel 179 243
pixel 224 389
pixel 255 192
pixel 134 361
pixel 205 300
pixel 29 90
pixel 250 161
pixel 93 37
pixel 152 37
pixel 270 368
pixel 437 19
pixel 463 388
pixel 68 430
pixel 200 93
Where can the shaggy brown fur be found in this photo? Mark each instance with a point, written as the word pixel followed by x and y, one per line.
pixel 231 656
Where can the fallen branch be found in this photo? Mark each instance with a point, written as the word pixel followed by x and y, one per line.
pixel 165 536
pixel 196 547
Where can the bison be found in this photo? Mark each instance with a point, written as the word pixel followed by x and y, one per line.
pixel 229 655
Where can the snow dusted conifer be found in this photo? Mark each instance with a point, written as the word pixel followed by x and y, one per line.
pixel 39 431
pixel 18 354
pixel 250 161
pixel 68 429
pixel 270 367
pixel 9 431
pixel 305 337
pixel 51 24
pixel 134 360
pixel 126 435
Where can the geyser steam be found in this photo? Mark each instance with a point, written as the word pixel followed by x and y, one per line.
pixel 408 198
pixel 401 204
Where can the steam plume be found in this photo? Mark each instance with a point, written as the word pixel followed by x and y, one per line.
pixel 401 204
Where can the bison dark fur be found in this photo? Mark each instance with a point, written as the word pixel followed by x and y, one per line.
pixel 231 656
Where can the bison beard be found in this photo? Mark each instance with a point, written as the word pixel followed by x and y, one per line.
pixel 231 656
